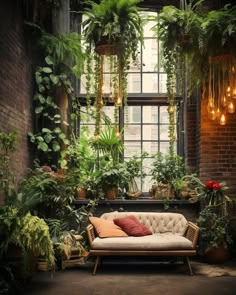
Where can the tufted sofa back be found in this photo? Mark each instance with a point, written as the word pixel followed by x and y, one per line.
pixel 157 222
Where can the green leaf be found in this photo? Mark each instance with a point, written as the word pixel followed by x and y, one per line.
pixel 66 141
pixel 54 79
pixel 63 163
pixel 48 60
pixel 62 136
pixel 38 110
pixel 48 137
pixel 57 130
pixel 38 79
pixel 43 146
pixel 47 70
pixel 49 100
pixel 56 147
pixel 46 130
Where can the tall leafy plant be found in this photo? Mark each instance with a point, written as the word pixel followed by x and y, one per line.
pixel 63 57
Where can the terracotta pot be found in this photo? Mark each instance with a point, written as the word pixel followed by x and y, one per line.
pixel 111 193
pixel 217 255
pixel 81 193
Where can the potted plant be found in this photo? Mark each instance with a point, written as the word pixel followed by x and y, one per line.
pixel 134 170
pixel 111 179
pixel 113 30
pixel 165 170
pixel 215 236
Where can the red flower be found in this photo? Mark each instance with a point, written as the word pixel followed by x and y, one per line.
pixel 216 186
pixel 209 184
pixel 212 185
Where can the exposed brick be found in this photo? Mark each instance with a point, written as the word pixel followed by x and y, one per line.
pixel 16 82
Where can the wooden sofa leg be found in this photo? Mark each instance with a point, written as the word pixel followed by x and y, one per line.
pixel 98 259
pixel 189 265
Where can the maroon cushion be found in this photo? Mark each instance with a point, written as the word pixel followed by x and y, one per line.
pixel 132 226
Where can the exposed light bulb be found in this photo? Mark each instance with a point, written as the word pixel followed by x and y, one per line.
pixel 118 102
pixel 210 105
pixel 231 108
pixel 224 101
pixel 228 89
pixel 213 115
pixel 234 93
pixel 222 119
pixel 218 113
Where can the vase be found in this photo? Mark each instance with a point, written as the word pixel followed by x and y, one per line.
pixel 81 193
pixel 216 255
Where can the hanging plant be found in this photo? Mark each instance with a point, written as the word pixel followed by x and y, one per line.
pixel 179 31
pixel 113 30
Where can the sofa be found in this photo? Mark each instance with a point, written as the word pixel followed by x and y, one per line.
pixel 162 234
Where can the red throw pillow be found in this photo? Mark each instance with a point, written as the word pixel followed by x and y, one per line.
pixel 132 226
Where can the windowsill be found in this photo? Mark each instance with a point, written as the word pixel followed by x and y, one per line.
pixel 137 201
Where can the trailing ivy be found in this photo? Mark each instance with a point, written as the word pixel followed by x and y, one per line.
pixel 64 58
pixel 50 139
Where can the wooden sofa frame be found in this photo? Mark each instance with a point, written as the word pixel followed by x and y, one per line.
pixel 192 233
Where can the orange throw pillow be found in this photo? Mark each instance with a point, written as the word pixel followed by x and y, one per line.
pixel 106 228
pixel 132 226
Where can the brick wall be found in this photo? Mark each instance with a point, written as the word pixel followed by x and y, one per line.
pixel 217 153
pixel 192 136
pixel 15 83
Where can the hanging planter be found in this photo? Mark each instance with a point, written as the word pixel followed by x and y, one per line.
pixel 113 28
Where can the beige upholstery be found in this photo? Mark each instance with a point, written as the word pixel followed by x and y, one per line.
pixel 172 235
pixel 157 222
pixel 165 241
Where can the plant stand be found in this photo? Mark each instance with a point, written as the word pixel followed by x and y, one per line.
pixel 75 259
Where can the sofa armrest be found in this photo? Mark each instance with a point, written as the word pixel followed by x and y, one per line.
pixel 192 233
pixel 91 234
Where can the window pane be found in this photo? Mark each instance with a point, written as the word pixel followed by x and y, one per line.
pixel 164 147
pixel 149 63
pixel 132 149
pixel 109 111
pixel 83 83
pixel 147 184
pixel 85 118
pixel 150 132
pixel 91 128
pixel 164 132
pixel 150 83
pixel 164 116
pixel 162 85
pixel 147 164
pixel 150 114
pixel 134 114
pixel 148 26
pixel 134 83
pixel 150 146
pixel 132 132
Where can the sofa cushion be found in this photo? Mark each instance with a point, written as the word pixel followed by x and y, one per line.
pixel 106 228
pixel 156 222
pixel 132 226
pixel 151 242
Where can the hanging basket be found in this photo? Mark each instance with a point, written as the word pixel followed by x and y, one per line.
pixel 107 49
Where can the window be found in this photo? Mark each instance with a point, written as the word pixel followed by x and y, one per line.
pixel 146 122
